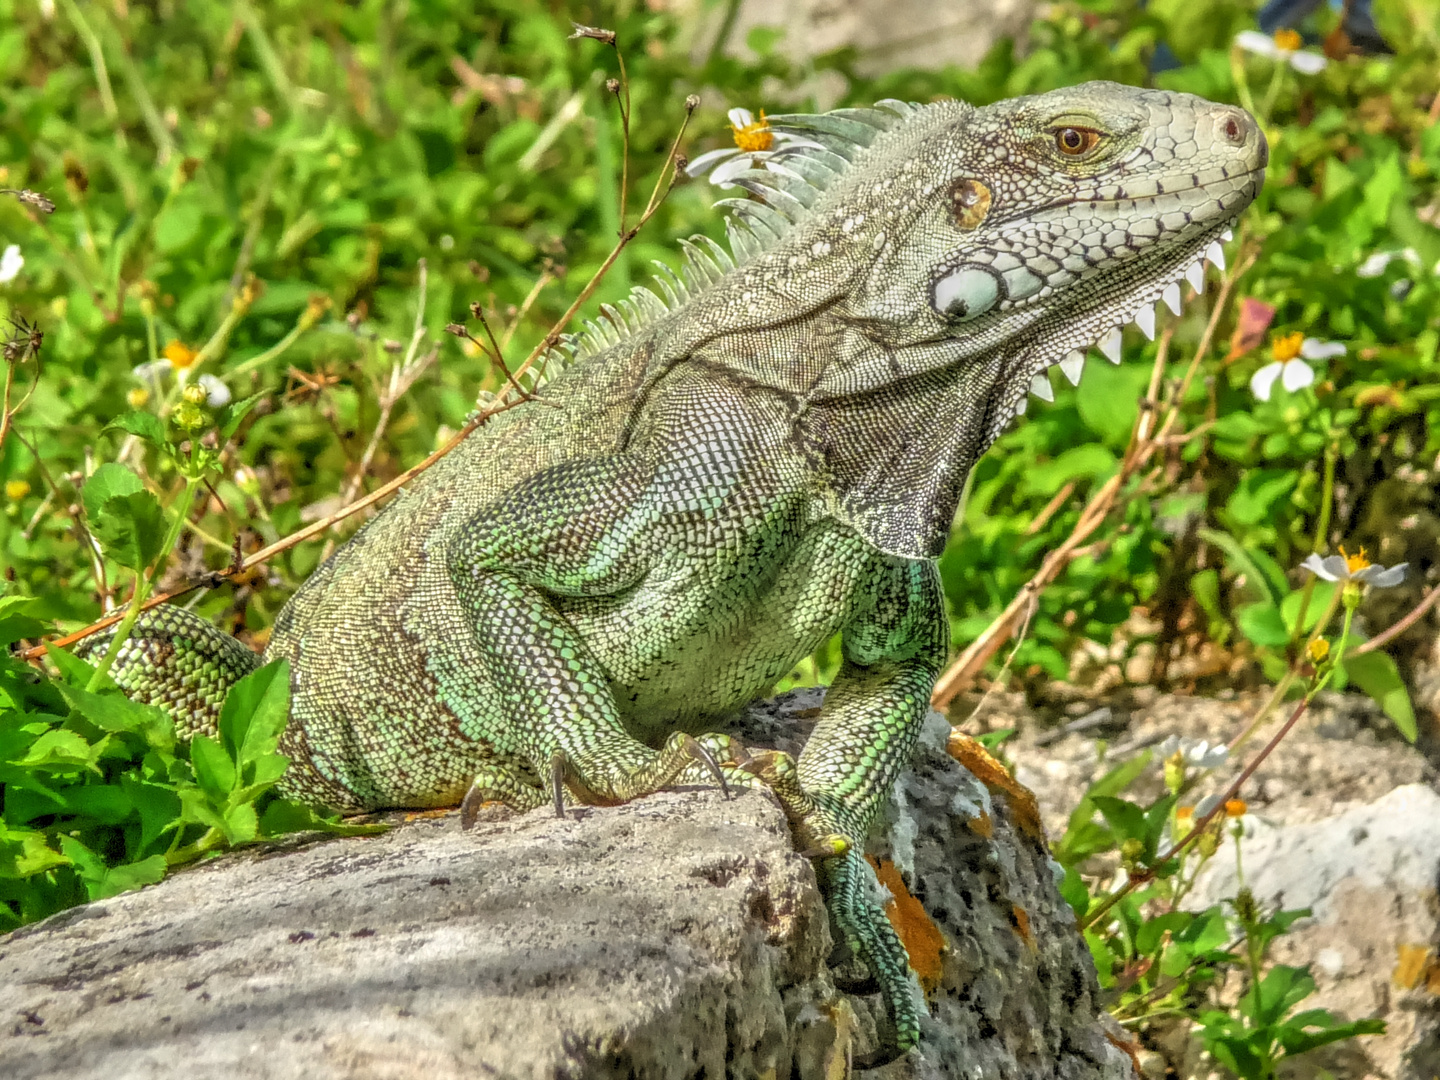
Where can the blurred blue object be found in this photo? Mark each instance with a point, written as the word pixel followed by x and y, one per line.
pixel 1356 20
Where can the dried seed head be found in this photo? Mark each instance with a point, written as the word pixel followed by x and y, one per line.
pixel 595 33
pixel 31 198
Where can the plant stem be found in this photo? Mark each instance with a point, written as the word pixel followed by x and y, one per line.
pixel 97 62
pixel 1322 529
pixel 144 582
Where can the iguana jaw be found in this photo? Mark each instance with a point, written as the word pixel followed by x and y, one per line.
pixel 1030 369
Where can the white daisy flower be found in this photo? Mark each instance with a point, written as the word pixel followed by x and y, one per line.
pixel 216 392
pixel 1380 261
pixel 10 263
pixel 1285 47
pixel 755 143
pixel 1290 352
pixel 1356 568
pixel 153 371
pixel 1198 755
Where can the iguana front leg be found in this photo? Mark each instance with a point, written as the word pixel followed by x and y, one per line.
pixel 578 529
pixel 871 719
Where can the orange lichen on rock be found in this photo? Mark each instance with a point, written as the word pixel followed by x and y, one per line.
pixel 982 826
pixel 1416 965
pixel 922 939
pixel 426 815
pixel 1020 919
pixel 1131 1048
pixel 997 778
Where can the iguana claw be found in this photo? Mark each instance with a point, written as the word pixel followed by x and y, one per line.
pixel 829 846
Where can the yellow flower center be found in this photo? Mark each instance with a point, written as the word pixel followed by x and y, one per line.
pixel 1235 808
pixel 1287 39
pixel 755 136
pixel 15 490
pixel 1286 347
pixel 1184 813
pixel 180 355
pixel 1318 649
pixel 1356 562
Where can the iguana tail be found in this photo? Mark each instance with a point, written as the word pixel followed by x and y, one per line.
pixel 179 662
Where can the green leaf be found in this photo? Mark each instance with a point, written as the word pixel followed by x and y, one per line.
pixel 1127 819
pixel 158 806
pixel 229 417
pixel 253 717
pixel 1083 837
pixel 124 517
pixel 1263 624
pixel 1320 597
pixel 16 623
pixel 241 824
pixel 25 853
pixel 1109 399
pixel 1297 1040
pixel 214 769
pixel 73 670
pixel 1269 580
pixel 102 880
pixel 131 529
pixel 109 481
pixel 60 749
pixel 142 424
pixel 115 712
pixel 1376 674
pixel 1075 892
pixel 1260 491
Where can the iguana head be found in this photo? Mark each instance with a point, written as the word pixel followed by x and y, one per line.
pixel 1018 235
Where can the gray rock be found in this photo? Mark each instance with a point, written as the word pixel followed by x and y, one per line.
pixel 1370 875
pixel 678 936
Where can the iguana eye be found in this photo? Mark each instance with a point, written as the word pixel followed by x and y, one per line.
pixel 1074 141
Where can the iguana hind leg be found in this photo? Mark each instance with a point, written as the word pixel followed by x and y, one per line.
pixel 577 529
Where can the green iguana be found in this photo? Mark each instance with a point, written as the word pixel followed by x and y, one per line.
pixel 720 480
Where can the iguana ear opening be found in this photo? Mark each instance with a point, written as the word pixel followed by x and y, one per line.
pixel 971 201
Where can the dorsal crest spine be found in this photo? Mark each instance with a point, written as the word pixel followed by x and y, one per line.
pixel 784 183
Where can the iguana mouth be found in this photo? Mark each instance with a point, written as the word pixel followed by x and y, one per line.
pixel 1165 290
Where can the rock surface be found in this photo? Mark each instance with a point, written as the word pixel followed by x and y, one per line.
pixel 1370 875
pixel 1343 818
pixel 678 936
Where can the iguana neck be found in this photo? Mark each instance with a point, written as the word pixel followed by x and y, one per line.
pixel 895 459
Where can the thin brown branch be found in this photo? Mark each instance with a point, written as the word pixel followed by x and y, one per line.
pixel 546 276
pixel 1051 508
pixel 1387 636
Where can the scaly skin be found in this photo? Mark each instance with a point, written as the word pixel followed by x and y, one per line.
pixel 707 497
